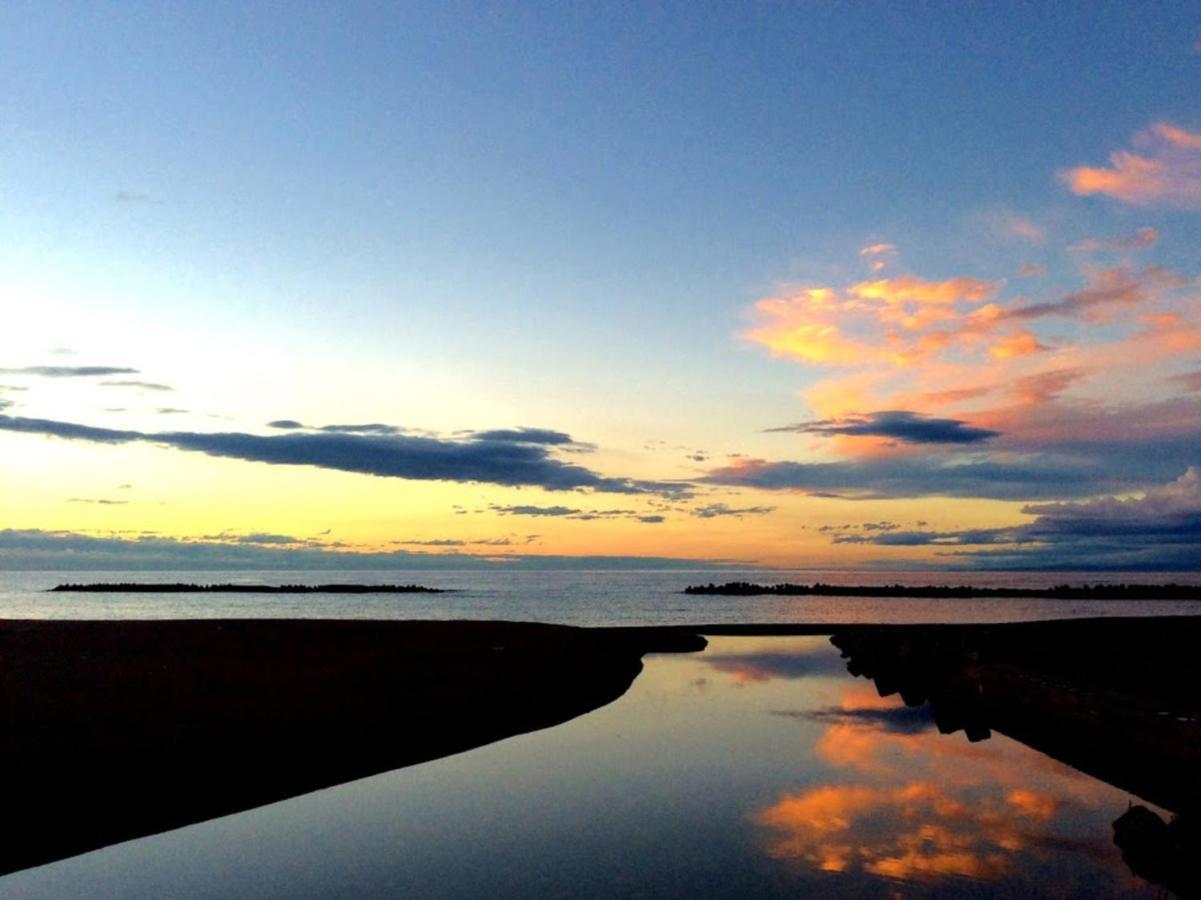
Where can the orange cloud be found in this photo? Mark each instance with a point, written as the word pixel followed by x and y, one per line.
pixel 1167 171
pixel 1018 343
pixel 959 348
pixel 886 320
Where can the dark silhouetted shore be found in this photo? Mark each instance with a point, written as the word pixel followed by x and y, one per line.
pixel 130 587
pixel 949 592
pixel 117 729
pixel 113 730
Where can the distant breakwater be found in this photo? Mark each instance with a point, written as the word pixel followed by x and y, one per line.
pixel 1059 592
pixel 181 588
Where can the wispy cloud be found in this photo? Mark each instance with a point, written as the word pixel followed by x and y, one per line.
pixel 1164 169
pixel 135 198
pixel 722 510
pixel 1110 287
pixel 366 428
pixel 879 255
pixel 1142 238
pixel 141 385
pixel 961 475
pixel 580 515
pixel 70 371
pixel 389 456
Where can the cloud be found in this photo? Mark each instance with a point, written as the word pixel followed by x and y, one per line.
pixel 286 424
pixel 1036 476
pixel 524 436
pixel 367 428
pixel 387 456
pixel 458 542
pixel 900 425
pixel 1108 288
pixel 143 385
pixel 1166 170
pixel 878 249
pixel 1023 229
pixel 1191 381
pixel 1144 237
pixel 579 515
pixel 887 322
pixel 926 538
pixel 878 255
pixel 1160 529
pixel 718 510
pixel 97 501
pixel 22 549
pixel 526 510
pixel 69 371
pixel 134 198
pixel 1030 270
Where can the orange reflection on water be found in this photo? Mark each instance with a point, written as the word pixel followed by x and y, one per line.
pixel 918 830
pixel 924 806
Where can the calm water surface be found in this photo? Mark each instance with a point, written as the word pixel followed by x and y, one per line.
pixel 756 768
pixel 573 598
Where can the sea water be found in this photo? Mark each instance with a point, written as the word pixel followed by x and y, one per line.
pixel 580 597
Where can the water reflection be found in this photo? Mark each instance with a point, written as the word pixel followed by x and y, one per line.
pixel 922 806
pixel 905 803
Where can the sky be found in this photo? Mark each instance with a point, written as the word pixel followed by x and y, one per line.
pixel 812 285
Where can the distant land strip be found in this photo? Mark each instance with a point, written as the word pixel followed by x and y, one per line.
pixel 1059 592
pixel 181 588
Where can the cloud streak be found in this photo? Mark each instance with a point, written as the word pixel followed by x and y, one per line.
pixel 387 456
pixel 69 371
pixel 66 550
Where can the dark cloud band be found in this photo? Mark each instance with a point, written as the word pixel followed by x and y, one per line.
pixel 900 425
pixel 388 456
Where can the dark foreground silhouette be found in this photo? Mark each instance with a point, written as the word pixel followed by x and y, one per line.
pixel 114 730
pixel 125 587
pixel 1115 698
pixel 1059 592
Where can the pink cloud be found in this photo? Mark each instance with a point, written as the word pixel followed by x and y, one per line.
pixel 1083 364
pixel 1166 171
pixel 1144 237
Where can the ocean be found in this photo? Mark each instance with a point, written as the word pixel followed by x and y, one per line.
pixel 587 598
